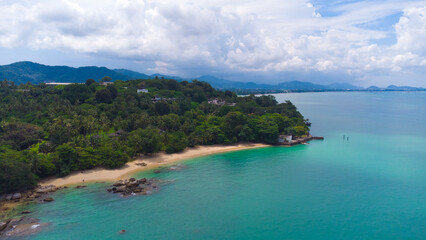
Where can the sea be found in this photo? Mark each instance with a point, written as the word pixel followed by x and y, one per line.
pixel 365 180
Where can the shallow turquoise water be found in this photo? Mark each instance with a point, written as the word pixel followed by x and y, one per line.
pixel 370 187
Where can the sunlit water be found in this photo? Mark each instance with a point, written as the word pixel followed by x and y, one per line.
pixel 372 186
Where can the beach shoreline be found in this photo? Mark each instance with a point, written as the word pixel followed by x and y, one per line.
pixel 153 161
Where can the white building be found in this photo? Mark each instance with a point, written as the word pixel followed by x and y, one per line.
pixel 285 138
pixel 143 90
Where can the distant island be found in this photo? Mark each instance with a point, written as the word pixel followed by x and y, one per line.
pixel 52 129
pixel 23 72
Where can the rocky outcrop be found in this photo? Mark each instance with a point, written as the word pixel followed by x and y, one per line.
pixel 20 227
pixel 48 199
pixel 133 186
pixel 16 196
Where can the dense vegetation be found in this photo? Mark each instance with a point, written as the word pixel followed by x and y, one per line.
pixel 46 130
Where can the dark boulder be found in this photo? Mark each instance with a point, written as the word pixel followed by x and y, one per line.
pixel 49 199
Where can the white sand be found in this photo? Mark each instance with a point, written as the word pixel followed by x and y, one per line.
pixel 100 174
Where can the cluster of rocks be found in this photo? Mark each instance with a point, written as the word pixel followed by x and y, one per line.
pixel 20 227
pixel 41 192
pixel 134 186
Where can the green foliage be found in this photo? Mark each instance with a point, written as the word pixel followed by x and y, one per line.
pixel 76 92
pixel 103 96
pixel 20 135
pixel 66 160
pixel 57 130
pixel 90 81
pixel 15 173
pixel 145 141
pixel 177 142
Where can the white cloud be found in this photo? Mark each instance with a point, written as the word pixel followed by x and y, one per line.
pixel 231 36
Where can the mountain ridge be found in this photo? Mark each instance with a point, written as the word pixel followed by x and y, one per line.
pixel 26 71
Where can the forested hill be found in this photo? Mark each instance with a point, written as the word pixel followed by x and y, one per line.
pixel 23 72
pixel 46 130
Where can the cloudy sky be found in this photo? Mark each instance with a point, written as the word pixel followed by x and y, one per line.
pixel 361 42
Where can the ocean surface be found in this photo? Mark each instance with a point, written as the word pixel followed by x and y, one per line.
pixel 369 185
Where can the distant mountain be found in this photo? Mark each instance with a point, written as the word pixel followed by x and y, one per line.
pixel 395 88
pixel 373 88
pixel 132 74
pixel 22 72
pixel 343 86
pixel 403 88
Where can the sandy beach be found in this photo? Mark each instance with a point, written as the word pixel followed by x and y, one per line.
pixel 156 160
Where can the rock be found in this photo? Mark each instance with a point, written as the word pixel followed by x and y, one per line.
pixel 157 171
pixel 81 186
pixel 142 180
pixel 109 189
pixel 132 179
pixel 122 231
pixel 4 224
pixel 119 189
pixel 24 226
pixel 9 197
pixel 137 190
pixel 141 164
pixel 26 212
pixel 16 196
pixel 46 189
pixel 49 199
pixel 118 183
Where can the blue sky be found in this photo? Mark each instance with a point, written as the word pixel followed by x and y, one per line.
pixel 360 42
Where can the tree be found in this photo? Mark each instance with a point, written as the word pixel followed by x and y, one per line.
pixel 103 96
pixel 21 135
pixel 145 141
pixel 233 123
pixel 267 130
pixel 162 108
pixel 90 81
pixel 111 158
pixel 113 91
pixel 178 141
pixel 76 92
pixel 106 79
pixel 15 174
pixel 67 159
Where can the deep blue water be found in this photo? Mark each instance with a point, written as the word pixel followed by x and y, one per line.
pixel 372 186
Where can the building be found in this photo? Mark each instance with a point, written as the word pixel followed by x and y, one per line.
pixel 162 99
pixel 142 90
pixel 285 138
pixel 220 102
pixel 58 84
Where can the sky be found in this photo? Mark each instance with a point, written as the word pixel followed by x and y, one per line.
pixel 322 41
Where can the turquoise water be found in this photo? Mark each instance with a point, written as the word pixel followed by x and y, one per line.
pixel 370 187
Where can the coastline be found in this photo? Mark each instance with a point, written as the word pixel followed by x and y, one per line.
pixel 153 161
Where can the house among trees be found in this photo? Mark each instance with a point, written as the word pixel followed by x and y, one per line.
pixel 107 83
pixel 142 90
pixel 162 99
pixel 58 84
pixel 285 138
pixel 220 102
